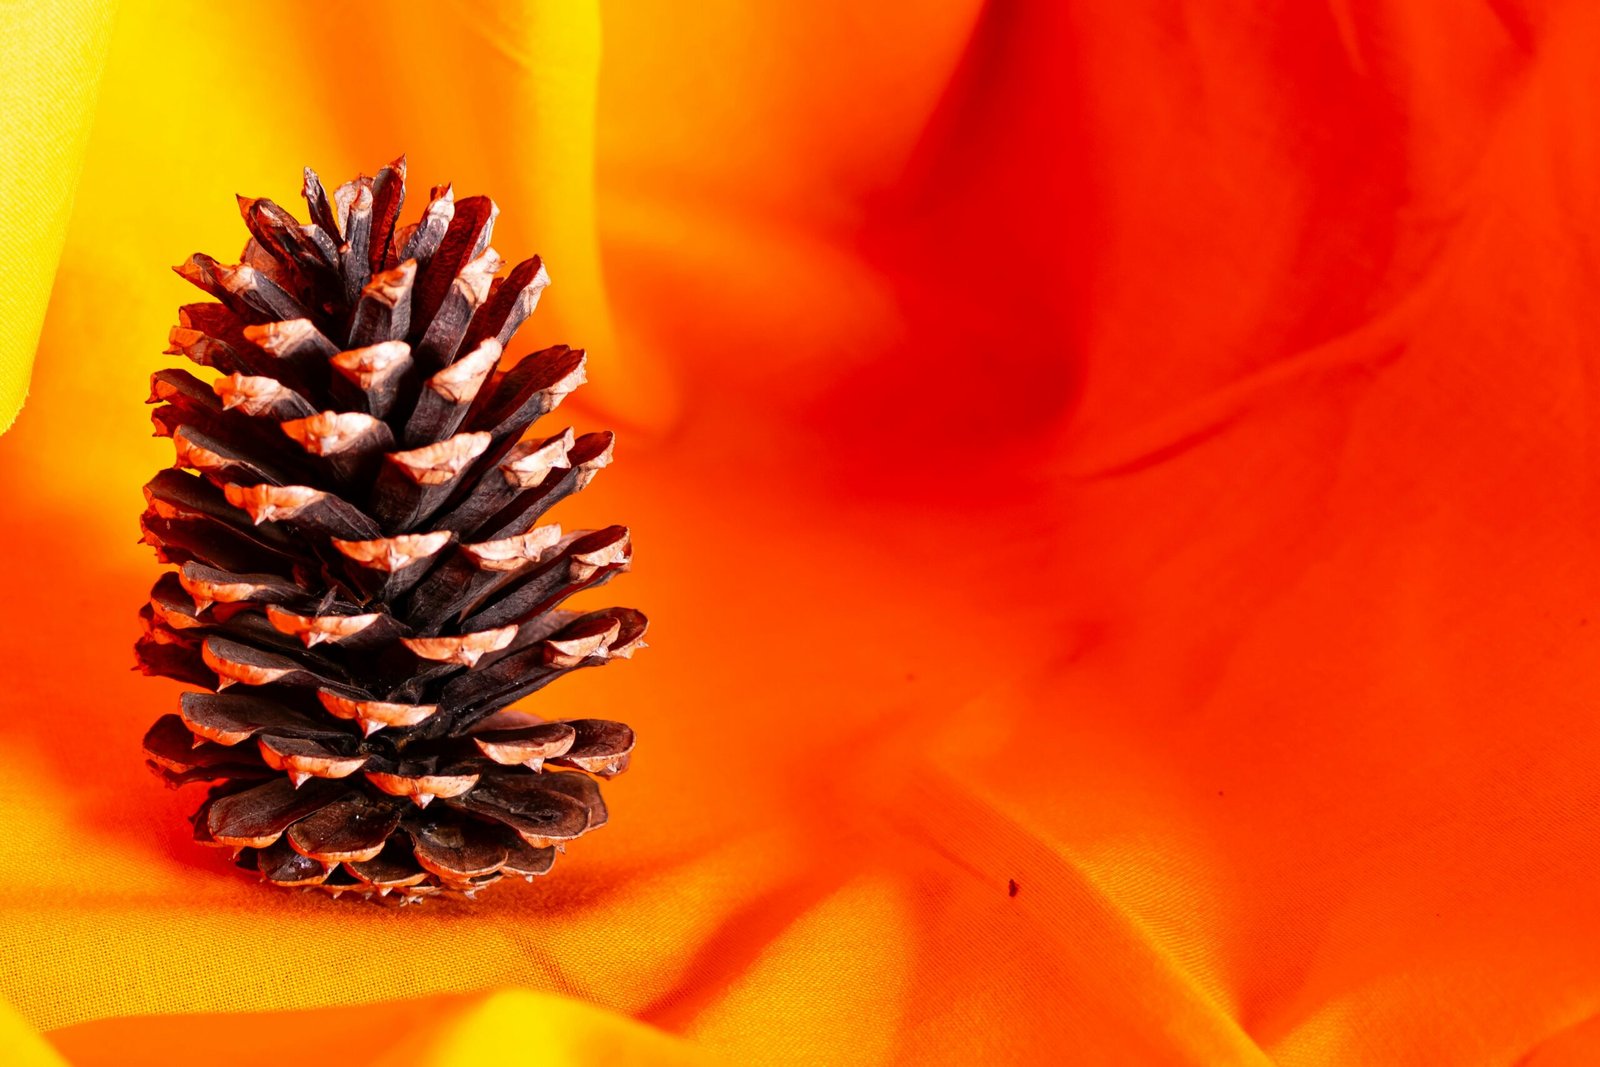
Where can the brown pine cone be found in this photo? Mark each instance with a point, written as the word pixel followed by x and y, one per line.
pixel 362 588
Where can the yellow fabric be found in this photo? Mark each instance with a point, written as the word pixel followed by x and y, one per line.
pixel 23 1046
pixel 51 57
pixel 1112 486
pixel 512 1026
pixel 500 1027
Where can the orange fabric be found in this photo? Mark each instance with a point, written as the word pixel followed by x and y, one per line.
pixel 1113 488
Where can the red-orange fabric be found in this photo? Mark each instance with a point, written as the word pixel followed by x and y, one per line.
pixel 1114 488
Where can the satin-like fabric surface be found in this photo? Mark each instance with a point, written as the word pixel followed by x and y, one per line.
pixel 1113 486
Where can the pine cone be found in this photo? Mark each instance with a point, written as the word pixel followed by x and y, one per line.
pixel 357 549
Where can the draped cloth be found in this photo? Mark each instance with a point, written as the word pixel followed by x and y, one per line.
pixel 1112 485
